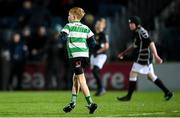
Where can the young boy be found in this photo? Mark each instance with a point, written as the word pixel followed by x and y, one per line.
pixel 78 38
pixel 143 63
pixel 99 56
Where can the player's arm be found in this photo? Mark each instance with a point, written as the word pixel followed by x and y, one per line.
pixel 129 49
pixel 154 52
pixel 104 48
pixel 91 42
pixel 150 43
pixel 105 45
pixel 63 37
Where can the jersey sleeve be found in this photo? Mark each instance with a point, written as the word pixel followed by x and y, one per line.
pixel 148 41
pixel 135 44
pixel 91 42
pixel 90 34
pixel 65 29
pixel 145 36
pixel 63 37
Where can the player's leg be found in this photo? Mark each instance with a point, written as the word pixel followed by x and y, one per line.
pixel 97 64
pixel 82 80
pixel 167 94
pixel 79 63
pixel 100 89
pixel 132 86
pixel 75 91
pixel 96 73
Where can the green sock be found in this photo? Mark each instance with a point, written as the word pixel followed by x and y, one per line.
pixel 74 98
pixel 89 99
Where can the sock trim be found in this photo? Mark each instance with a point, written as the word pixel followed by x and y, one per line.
pixel 89 99
pixel 133 79
pixel 74 98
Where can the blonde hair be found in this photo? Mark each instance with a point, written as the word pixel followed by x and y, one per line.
pixel 103 21
pixel 78 12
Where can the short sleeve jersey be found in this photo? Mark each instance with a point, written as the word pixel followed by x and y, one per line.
pixel 142 42
pixel 78 34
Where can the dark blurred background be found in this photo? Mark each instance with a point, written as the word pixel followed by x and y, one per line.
pixel 30 51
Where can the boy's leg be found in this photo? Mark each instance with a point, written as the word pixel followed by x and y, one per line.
pixel 167 94
pixel 96 65
pixel 84 87
pixel 132 86
pixel 82 80
pixel 100 88
pixel 79 72
pixel 75 91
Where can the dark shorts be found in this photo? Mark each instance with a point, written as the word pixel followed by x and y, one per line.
pixel 78 64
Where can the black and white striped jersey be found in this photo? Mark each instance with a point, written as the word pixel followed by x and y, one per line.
pixel 141 43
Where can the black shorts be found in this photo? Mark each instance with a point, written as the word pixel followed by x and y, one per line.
pixel 78 64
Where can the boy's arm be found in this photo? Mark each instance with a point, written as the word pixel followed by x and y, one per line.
pixel 91 42
pixel 106 47
pixel 154 52
pixel 121 54
pixel 63 37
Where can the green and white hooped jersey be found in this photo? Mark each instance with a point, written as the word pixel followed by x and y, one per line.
pixel 78 33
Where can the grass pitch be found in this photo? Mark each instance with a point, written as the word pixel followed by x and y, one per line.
pixel 50 104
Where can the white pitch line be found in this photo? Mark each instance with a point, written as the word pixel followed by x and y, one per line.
pixel 147 114
pixel 143 114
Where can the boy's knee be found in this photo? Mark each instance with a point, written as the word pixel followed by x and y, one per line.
pixel 133 74
pixel 81 79
pixel 152 77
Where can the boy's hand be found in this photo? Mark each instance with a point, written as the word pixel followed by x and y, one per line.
pixel 120 56
pixel 158 60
